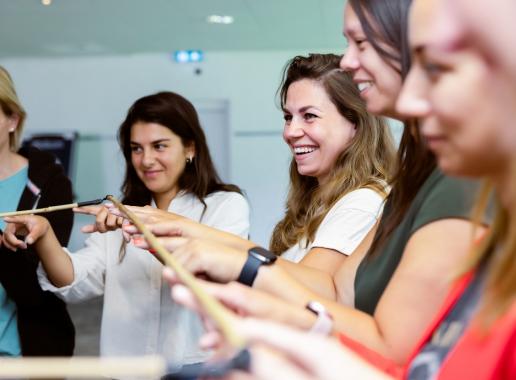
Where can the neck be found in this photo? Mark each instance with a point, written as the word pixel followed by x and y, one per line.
pixel 163 200
pixel 10 162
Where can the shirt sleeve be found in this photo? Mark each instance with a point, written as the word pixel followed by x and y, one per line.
pixel 349 220
pixel 450 198
pixel 229 212
pixel 89 266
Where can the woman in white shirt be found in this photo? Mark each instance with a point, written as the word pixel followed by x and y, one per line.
pixel 168 167
pixel 342 158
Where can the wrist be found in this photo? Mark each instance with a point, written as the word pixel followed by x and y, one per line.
pixel 324 321
pixel 256 257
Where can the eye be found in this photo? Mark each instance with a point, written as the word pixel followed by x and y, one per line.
pixel 287 117
pixel 160 146
pixel 433 70
pixel 361 43
pixel 309 116
pixel 136 148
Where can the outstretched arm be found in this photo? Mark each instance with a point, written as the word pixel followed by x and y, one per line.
pixel 38 232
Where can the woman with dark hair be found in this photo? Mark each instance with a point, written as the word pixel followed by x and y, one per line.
pixel 168 167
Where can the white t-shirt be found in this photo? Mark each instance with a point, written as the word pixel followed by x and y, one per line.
pixel 344 226
pixel 139 317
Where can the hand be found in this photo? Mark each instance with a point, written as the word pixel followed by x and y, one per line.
pixel 32 227
pixel 243 301
pixel 218 262
pixel 280 352
pixel 104 220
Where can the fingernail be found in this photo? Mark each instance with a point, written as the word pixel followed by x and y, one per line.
pixel 151 250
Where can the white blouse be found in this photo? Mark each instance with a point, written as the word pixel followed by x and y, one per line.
pixel 344 226
pixel 139 316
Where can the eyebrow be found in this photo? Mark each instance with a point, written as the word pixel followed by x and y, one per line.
pixel 302 109
pixel 152 142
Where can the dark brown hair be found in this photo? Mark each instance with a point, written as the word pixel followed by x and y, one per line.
pixel 386 21
pixel 177 114
pixel 366 163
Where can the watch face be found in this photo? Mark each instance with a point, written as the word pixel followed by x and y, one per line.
pixel 263 255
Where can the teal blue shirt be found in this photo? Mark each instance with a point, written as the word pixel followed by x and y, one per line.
pixel 11 190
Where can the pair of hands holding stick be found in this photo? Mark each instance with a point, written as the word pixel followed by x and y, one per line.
pixel 192 293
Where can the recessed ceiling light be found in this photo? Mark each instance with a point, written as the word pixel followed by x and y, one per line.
pixel 220 19
pixel 46 2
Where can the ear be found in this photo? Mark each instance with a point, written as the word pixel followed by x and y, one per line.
pixel 12 122
pixel 190 149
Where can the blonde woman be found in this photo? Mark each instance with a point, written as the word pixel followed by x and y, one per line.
pixel 32 322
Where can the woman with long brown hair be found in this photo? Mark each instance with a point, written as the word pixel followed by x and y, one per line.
pixel 342 159
pixel 473 336
pixel 168 167
pixel 425 213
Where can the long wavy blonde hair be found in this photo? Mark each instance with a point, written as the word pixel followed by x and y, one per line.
pixel 498 252
pixel 366 163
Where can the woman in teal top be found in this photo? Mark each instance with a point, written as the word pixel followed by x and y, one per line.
pixel 11 189
pixel 32 322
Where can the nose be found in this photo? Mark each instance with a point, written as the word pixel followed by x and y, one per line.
pixel 293 130
pixel 148 157
pixel 413 100
pixel 349 60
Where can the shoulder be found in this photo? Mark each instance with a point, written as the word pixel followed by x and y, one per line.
pixel 364 199
pixel 225 198
pixel 444 197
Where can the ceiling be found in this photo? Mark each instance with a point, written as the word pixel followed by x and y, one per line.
pixel 107 27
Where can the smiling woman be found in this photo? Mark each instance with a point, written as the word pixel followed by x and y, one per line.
pixel 168 165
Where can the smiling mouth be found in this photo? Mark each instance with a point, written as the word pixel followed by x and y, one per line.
pixel 298 151
pixel 363 86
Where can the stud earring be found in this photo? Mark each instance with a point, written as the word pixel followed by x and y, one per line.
pixel 11 130
pixel 189 160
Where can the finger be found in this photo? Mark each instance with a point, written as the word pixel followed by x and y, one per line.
pixel 88 210
pixel 130 229
pixel 170 276
pixel 210 340
pixel 140 242
pixel 173 243
pixel 268 364
pixel 89 228
pixel 100 220
pixel 170 228
pixel 10 239
pixel 112 222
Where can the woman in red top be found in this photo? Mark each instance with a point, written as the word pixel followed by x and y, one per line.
pixel 463 100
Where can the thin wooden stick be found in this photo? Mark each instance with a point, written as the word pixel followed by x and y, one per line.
pixel 221 316
pixel 51 208
pixel 146 367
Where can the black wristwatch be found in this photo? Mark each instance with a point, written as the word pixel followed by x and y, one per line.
pixel 257 256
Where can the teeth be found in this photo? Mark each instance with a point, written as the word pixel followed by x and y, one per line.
pixel 364 85
pixel 303 150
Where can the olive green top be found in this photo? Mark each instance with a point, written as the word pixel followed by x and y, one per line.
pixel 440 197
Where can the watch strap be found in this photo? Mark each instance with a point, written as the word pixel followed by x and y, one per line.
pixel 324 322
pixel 249 271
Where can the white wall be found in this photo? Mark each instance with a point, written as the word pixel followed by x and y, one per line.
pixel 92 94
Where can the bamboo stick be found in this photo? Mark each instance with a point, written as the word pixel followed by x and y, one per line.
pixel 51 208
pixel 145 367
pixel 221 316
